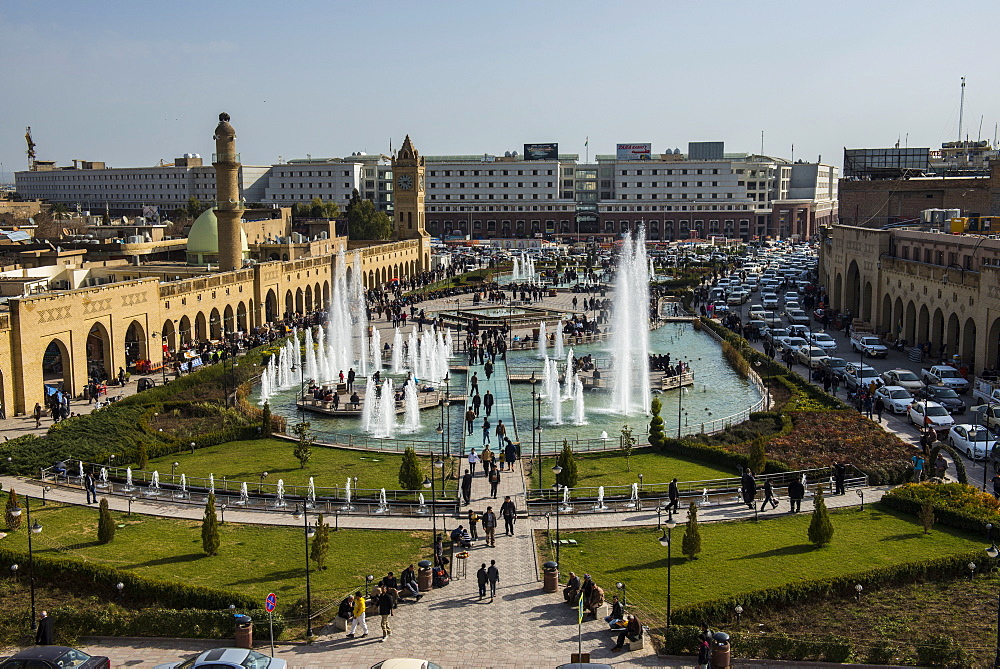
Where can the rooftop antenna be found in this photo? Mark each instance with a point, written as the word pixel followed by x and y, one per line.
pixel 31 148
pixel 761 142
pixel 961 110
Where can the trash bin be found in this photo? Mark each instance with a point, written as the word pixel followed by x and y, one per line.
pixel 424 575
pixel 720 650
pixel 244 632
pixel 550 578
pixel 552 292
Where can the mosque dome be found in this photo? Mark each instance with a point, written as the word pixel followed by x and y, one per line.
pixel 203 239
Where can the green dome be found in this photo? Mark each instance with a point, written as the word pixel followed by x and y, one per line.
pixel 203 239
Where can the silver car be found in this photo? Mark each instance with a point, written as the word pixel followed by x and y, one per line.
pixel 225 658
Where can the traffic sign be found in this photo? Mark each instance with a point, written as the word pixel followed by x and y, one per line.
pixel 270 602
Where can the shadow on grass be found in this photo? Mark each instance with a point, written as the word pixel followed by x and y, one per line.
pixel 902 537
pixel 784 551
pixel 173 559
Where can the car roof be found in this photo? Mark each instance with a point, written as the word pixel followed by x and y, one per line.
pixel 41 652
pixel 404 663
pixel 889 389
pixel 232 655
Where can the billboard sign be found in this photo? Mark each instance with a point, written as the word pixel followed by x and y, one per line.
pixel 541 151
pixel 151 213
pixel 634 151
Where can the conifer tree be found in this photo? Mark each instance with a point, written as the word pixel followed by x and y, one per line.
pixel 691 545
pixel 320 543
pixel 105 523
pixel 210 528
pixel 820 527
pixel 568 476
pixel 409 471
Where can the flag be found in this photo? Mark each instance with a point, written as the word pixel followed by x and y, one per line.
pixel 580 608
pixel 587 142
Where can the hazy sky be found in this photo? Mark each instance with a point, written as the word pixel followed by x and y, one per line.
pixel 132 82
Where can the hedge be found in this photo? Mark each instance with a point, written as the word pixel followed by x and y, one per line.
pixel 692 447
pixel 90 575
pixel 956 505
pixel 72 623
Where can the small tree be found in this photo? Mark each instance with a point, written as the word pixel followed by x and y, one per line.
pixel 757 457
pixel 627 444
pixel 321 543
pixel 13 522
pixel 210 528
pixel 568 476
pixel 303 447
pixel 409 471
pixel 820 527
pixel 691 545
pixel 105 523
pixel 265 421
pixel 657 438
pixel 143 456
pixel 927 516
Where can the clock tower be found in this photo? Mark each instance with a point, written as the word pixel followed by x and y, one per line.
pixel 408 203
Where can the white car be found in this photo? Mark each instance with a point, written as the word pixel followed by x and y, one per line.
pixel 813 356
pixel 895 398
pixel 904 378
pixel 223 658
pixel 756 311
pixel 791 296
pixel 791 343
pixel 824 341
pixel 974 440
pixel 769 300
pixel 930 413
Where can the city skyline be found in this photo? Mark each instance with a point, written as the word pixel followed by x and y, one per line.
pixel 129 84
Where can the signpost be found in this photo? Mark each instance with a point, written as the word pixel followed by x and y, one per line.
pixel 269 603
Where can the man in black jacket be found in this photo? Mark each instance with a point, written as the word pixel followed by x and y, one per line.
pixel 481 579
pixel 488 402
pixel 466 486
pixel 674 496
pixel 796 491
pixel 509 513
pixel 494 479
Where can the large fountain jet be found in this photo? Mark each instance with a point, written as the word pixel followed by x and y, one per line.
pixel 630 390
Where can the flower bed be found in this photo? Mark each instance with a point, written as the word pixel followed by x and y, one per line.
pixel 955 504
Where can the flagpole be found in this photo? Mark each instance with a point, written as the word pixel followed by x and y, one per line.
pixel 586 145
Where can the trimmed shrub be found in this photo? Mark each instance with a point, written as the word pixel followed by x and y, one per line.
pixel 210 528
pixel 568 476
pixel 13 521
pixel 72 623
pixel 820 527
pixel 410 477
pixel 656 432
pixel 691 544
pixel 105 523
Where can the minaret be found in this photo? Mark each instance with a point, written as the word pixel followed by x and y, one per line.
pixel 229 210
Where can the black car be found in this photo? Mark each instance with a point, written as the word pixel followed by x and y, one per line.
pixel 944 396
pixel 54 657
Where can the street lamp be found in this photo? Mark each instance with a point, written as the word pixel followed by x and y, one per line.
pixel 993 552
pixel 534 457
pixel 669 525
pixel 120 587
pixel 309 532
pixel 739 614
pixel 680 400
pixel 34 529
pixel 621 587
pixel 857 592
pixel 557 470
pixel 173 468
pixel 368 581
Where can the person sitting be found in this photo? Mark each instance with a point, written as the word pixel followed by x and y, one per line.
pixel 632 631
pixel 346 609
pixel 458 537
pixel 572 590
pixel 616 620
pixel 408 583
pixel 355 400
pixel 594 600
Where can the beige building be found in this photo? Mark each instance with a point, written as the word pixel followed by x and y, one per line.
pixel 62 318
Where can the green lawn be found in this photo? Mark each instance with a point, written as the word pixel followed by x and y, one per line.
pixel 598 469
pixel 743 556
pixel 245 460
pixel 253 559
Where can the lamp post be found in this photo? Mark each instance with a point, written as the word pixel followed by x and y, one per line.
pixel 993 552
pixel 557 470
pixel 263 475
pixel 621 586
pixel 680 400
pixel 669 525
pixel 534 456
pixel 120 587
pixel 538 431
pixel 33 529
pixel 368 581
pixel 173 469
pixel 858 589
pixel 447 427
pixel 739 614
pixel 309 532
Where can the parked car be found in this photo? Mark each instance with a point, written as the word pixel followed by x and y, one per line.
pixel 824 341
pixel 221 658
pixel 858 374
pixel 944 396
pixel 974 440
pixel 791 343
pixel 797 317
pixel 834 365
pixel 923 413
pixel 904 378
pixel 54 657
pixel 812 356
pixel 944 375
pixel 896 398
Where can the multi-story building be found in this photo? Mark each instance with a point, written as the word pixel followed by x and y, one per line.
pixel 703 193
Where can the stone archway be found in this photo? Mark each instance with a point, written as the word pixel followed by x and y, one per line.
pixel 953 334
pixel 993 346
pixel 969 344
pixel 308 300
pixel 200 328
pixel 99 356
pixel 852 295
pixel 135 344
pixel 937 330
pixel 57 366
pixel 885 315
pixel 897 317
pixel 241 317
pixel 289 304
pixel 326 295
pixel 910 323
pixel 837 298
pixel 168 335
pixel 300 304
pixel 214 324
pixel 186 332
pixel 271 307
pixel 866 303
pixel 923 325
pixel 229 320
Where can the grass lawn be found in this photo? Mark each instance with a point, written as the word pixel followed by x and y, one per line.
pixel 598 469
pixel 253 559
pixel 245 460
pixel 743 556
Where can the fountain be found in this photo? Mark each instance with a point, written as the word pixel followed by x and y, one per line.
pixel 341 345
pixel 368 406
pixel 604 435
pixel 322 356
pixel 384 420
pixel 422 507
pixel 600 500
pixel 81 470
pixel 633 502
pixel 566 505
pixel 559 346
pixel 154 484
pixel 543 341
pixel 553 393
pixel 311 494
pixel 347 497
pixel 311 370
pixel 184 486
pixel 359 312
pixel 630 388
pixel 279 499
pixel 397 352
pixel 568 388
pixel 704 497
pixel 128 480
pixel 104 478
pixel 211 484
pixel 383 506
pixel 376 350
pixel 579 410
pixel 412 423
pixel 266 386
pixel 244 494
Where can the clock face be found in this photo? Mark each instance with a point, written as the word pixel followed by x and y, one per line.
pixel 405 182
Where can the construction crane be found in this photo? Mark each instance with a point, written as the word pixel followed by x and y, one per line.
pixel 31 148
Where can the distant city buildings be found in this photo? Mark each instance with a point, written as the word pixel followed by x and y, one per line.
pixel 540 194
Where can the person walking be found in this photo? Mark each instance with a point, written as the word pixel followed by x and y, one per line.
pixel 467 486
pixel 476 402
pixel 481 578
pixel 494 478
pixel 509 513
pixel 769 495
pixel 879 407
pixel 473 460
pixel 488 400
pixel 510 454
pixel 486 457
pixel 839 477
pixel 45 634
pixel 91 486
pixel 490 527
pixel 473 524
pixel 359 616
pixel 918 467
pixel 749 486
pixel 674 495
pixel 37 415
pixel 493 576
pixel 384 603
pixel 475 383
pixel 796 491
pixel 704 654
pixel 470 418
pixel 351 375
pixel 486 431
pixel 488 369
pixel 501 431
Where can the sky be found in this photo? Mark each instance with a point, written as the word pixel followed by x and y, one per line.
pixel 131 83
